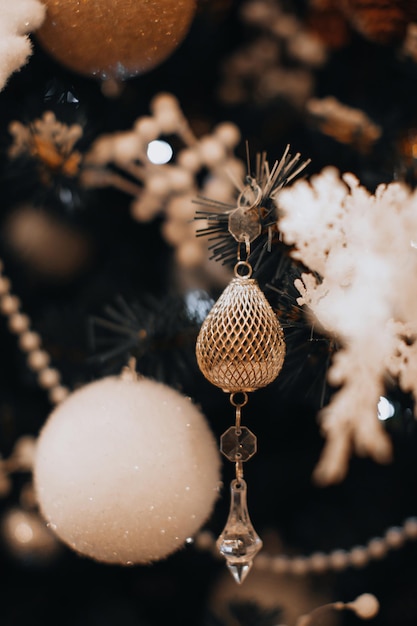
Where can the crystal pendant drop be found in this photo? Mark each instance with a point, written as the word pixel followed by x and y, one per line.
pixel 239 542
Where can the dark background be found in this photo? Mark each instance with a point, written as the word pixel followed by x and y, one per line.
pixel 131 260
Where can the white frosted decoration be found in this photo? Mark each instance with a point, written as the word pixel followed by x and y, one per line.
pixel 126 471
pixel 363 246
pixel 17 19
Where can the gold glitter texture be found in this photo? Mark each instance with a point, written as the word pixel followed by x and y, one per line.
pixel 114 39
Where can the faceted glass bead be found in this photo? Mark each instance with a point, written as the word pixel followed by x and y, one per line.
pixel 239 542
pixel 238 444
pixel 244 224
pixel 240 346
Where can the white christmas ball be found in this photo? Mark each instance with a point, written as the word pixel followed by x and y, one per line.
pixel 125 471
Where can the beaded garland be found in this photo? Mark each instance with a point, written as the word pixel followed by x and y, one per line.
pixel 320 562
pixel 30 342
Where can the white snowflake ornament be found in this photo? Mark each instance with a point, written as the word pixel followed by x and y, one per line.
pixel 360 250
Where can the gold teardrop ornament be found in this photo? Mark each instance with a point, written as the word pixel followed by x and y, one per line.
pixel 241 344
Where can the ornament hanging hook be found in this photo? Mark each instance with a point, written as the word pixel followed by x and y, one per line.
pixel 246 250
pixel 239 473
pixel 234 401
pixel 255 189
pixel 244 222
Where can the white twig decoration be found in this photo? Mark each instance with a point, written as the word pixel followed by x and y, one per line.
pixel 171 188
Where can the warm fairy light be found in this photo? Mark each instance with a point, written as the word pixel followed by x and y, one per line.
pixel 159 152
pixel 385 409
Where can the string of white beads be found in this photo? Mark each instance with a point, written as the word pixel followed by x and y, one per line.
pixel 365 606
pixel 30 343
pixel 320 562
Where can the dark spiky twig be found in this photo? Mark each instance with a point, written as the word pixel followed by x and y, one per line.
pixel 308 352
pixel 270 181
pixel 159 333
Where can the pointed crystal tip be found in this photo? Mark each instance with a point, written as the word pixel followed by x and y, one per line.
pixel 239 542
pixel 239 571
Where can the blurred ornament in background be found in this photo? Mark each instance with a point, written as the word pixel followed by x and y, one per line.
pixel 326 19
pixel 278 64
pixel 344 123
pixel 20 460
pixel 380 21
pixel 44 164
pixel 384 22
pixel 47 245
pixel 50 142
pixel 126 470
pixel 409 48
pixel 114 39
pixel 23 532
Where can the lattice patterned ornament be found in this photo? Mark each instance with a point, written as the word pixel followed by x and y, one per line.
pixel 241 348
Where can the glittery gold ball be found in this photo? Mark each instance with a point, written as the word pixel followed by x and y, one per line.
pixel 114 38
